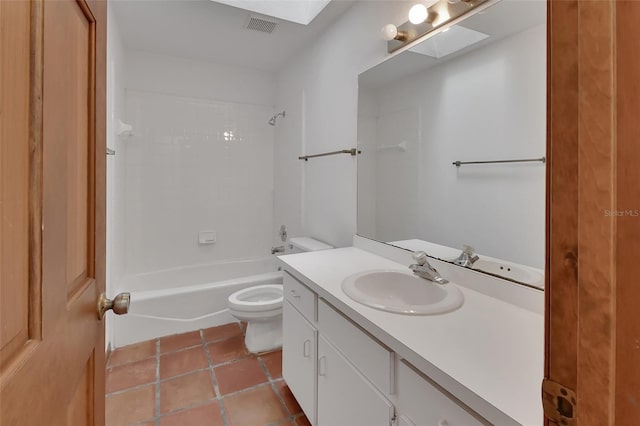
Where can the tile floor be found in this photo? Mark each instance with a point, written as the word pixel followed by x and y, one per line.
pixel 205 377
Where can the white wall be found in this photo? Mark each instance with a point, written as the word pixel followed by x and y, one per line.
pixel 115 164
pixel 487 104
pixel 319 90
pixel 185 77
pixel 184 174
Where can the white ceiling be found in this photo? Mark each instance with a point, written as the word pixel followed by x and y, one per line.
pixel 209 31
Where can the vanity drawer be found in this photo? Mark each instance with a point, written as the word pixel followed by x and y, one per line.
pixel 422 402
pixel 303 299
pixel 372 359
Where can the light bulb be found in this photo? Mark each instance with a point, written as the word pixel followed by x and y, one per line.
pixel 418 13
pixel 389 32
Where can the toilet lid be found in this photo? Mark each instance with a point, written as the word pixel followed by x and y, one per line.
pixel 258 298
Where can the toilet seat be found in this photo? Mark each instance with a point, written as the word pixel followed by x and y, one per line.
pixel 259 298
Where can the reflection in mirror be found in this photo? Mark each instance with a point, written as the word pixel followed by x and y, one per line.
pixel 474 93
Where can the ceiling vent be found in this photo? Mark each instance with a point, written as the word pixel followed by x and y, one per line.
pixel 262 24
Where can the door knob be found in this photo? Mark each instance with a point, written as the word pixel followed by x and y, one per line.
pixel 119 304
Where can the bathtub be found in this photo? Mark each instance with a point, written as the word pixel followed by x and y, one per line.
pixel 186 299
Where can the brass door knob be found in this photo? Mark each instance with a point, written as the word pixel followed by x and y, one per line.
pixel 119 304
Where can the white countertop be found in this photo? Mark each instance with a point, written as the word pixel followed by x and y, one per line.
pixel 488 353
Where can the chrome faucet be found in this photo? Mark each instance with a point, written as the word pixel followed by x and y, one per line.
pixel 467 258
pixel 279 249
pixel 422 268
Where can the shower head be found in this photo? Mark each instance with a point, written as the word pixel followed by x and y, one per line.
pixel 272 120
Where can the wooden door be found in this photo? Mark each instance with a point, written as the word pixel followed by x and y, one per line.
pixel 52 100
pixel 593 240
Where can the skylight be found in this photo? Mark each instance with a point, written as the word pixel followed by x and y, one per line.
pixel 298 11
pixel 449 41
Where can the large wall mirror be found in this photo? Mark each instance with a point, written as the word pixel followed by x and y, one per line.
pixel 474 94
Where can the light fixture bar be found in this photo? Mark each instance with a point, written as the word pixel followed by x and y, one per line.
pixel 444 12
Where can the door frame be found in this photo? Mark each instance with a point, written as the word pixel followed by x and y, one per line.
pixel 592 333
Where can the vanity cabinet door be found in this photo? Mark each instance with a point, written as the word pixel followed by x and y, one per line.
pixel 345 397
pixel 299 358
pixel 421 402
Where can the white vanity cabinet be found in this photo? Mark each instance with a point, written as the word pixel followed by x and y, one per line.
pixel 345 397
pixel 320 366
pixel 299 358
pixel 299 344
pixel 342 376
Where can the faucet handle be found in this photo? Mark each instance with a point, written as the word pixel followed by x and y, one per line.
pixel 468 249
pixel 420 257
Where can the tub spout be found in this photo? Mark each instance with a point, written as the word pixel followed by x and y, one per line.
pixel 279 249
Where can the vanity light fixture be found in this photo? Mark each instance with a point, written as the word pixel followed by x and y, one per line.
pixel 420 13
pixel 390 32
pixel 430 17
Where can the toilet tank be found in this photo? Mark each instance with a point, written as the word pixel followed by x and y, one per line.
pixel 305 244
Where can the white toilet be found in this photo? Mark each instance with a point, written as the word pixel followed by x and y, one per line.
pixel 261 306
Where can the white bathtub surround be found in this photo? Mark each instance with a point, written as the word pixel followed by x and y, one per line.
pixel 200 158
pixel 187 299
pixel 187 276
pixel 487 354
pixel 194 165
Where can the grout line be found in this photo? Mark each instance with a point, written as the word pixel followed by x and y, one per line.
pixel 209 367
pixel 111 367
pixel 157 402
pixel 135 387
pixel 177 376
pixel 214 380
pixel 254 387
pixel 280 422
pixel 180 349
pixel 231 361
pixel 264 368
pixel 114 350
pixel 274 388
pixel 272 383
pixel 289 415
pixel 189 407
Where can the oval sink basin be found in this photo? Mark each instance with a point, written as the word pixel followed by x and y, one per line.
pixel 402 292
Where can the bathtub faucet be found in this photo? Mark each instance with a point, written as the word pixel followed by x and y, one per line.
pixel 279 249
